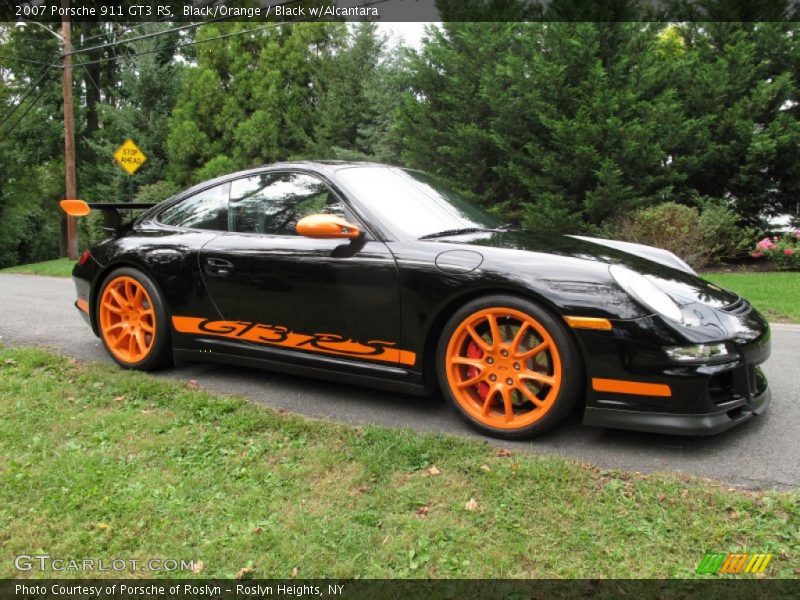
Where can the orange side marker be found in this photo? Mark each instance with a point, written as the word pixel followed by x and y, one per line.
pixel 634 388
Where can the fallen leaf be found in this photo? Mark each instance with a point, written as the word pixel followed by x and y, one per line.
pixel 422 512
pixel 197 566
pixel 119 398
pixel 363 489
pixel 102 526
pixel 503 453
pixel 434 471
pixel 257 530
pixel 484 468
pixel 244 573
pixel 386 539
pixel 10 361
pixel 661 497
pixel 784 554
pixel 514 466
pixel 472 505
pixel 294 571
pixel 684 493
pixel 193 384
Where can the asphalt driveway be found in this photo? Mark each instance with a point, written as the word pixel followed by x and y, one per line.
pixel 762 453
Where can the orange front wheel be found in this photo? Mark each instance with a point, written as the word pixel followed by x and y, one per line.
pixel 131 320
pixel 509 367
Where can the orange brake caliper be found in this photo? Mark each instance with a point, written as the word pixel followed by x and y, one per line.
pixel 474 352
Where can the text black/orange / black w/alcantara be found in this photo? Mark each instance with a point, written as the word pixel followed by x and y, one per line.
pixel 382 276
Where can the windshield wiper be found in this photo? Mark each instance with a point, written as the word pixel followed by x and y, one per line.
pixel 449 232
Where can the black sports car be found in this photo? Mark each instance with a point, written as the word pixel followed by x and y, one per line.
pixel 382 276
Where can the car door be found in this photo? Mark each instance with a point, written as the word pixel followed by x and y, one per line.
pixel 276 288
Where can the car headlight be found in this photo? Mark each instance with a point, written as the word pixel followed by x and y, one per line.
pixel 702 353
pixel 646 292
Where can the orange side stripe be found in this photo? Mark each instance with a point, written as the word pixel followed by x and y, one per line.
pixel 588 323
pixel 635 388
pixel 82 305
pixel 276 335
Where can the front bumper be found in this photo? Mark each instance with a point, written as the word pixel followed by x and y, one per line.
pixel 699 424
pixel 705 399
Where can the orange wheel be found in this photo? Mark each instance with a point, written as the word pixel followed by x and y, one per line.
pixel 503 365
pixel 127 320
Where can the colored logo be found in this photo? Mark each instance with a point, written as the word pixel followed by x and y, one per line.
pixel 733 563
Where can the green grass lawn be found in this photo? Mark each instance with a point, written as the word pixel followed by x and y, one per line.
pixel 61 267
pixel 777 295
pixel 99 462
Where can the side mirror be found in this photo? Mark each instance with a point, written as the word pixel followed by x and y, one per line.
pixel 327 227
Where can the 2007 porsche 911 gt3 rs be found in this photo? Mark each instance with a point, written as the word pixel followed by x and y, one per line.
pixel 382 276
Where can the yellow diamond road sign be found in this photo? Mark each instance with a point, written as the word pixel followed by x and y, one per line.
pixel 130 157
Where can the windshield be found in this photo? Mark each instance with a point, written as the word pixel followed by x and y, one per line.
pixel 412 204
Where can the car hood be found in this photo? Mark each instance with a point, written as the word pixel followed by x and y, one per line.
pixel 519 248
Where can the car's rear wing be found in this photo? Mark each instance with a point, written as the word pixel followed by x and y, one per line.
pixel 111 217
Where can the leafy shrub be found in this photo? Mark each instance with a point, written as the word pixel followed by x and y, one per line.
pixel 784 250
pixel 697 236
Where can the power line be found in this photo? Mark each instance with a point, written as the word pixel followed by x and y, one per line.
pixel 24 60
pixel 219 37
pixel 23 115
pixel 42 74
pixel 182 45
pixel 173 30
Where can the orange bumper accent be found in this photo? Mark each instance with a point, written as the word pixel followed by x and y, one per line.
pixel 82 305
pixel 588 323
pixel 634 388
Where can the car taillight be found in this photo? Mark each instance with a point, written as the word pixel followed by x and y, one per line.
pixel 84 257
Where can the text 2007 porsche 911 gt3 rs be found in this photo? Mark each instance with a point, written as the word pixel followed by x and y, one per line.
pixel 381 276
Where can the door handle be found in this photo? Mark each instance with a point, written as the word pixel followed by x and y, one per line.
pixel 219 267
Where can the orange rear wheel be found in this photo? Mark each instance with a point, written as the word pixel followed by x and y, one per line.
pixel 127 319
pixel 503 368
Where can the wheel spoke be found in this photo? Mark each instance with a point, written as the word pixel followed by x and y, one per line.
pixel 526 391
pixel 470 362
pixel 115 326
pixel 478 339
pixel 147 327
pixel 538 377
pixel 509 408
pixel 469 382
pixel 111 308
pixel 137 297
pixel 518 337
pixel 130 291
pixel 132 345
pixel 533 351
pixel 497 339
pixel 139 335
pixel 117 297
pixel 487 402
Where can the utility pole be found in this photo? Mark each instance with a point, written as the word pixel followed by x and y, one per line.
pixel 69 132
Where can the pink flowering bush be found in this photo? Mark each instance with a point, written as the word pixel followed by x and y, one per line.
pixel 784 250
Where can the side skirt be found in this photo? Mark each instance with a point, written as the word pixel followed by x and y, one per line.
pixel 387 382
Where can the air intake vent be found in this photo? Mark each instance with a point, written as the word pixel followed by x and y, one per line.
pixel 738 308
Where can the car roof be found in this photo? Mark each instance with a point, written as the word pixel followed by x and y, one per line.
pixel 324 167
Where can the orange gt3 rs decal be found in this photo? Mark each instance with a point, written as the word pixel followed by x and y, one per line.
pixel 277 335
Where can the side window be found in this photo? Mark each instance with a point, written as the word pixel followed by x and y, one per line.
pixel 273 203
pixel 206 210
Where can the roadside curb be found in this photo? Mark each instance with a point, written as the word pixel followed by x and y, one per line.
pixel 785 327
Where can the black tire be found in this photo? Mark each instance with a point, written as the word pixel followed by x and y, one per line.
pixel 572 380
pixel 160 353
